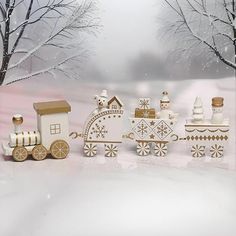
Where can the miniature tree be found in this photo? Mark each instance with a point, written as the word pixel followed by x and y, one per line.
pixel 198 113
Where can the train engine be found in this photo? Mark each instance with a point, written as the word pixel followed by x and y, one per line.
pixel 51 136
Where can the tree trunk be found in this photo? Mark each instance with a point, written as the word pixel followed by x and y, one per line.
pixel 3 71
pixel 6 56
pixel 234 29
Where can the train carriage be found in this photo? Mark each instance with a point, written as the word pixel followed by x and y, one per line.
pixel 147 131
pixel 207 136
pixel 150 127
pixel 105 128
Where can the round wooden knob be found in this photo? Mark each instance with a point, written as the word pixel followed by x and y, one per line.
pixel 17 119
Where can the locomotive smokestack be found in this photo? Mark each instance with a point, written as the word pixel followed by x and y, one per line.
pixel 17 121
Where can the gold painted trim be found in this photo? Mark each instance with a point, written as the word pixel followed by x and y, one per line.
pixel 212 131
pixel 44 108
pixel 17 141
pixel 151 141
pixel 100 115
pixel 209 125
pixel 89 141
pixel 29 138
pixel 35 138
pixel 23 139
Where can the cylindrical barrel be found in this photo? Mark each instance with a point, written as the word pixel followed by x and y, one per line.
pixel 24 139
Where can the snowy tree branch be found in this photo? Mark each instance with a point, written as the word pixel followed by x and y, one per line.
pixel 186 25
pixel 62 20
pixel 48 70
pixel 23 26
pixel 2 10
pixel 1 34
pixel 73 23
pixel 203 12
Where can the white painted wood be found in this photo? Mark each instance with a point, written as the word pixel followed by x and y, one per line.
pixel 53 127
pixel 24 138
pixel 152 130
pixel 7 150
pixel 206 136
pixel 107 126
pixel 217 115
pixel 198 112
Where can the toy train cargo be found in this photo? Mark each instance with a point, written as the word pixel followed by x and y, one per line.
pixel 207 137
pixel 150 127
pixel 104 128
pixel 147 131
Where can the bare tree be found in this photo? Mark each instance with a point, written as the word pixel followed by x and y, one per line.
pixel 58 25
pixel 204 26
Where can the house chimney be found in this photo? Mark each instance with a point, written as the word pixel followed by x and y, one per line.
pixel 17 121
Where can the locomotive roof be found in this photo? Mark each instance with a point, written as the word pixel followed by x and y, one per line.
pixel 45 108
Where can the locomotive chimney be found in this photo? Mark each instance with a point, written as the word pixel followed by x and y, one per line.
pixel 17 121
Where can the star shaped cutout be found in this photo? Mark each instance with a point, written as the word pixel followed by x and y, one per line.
pixel 152 136
pixel 152 123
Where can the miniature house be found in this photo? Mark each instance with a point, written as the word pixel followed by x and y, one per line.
pixel 115 103
pixel 53 122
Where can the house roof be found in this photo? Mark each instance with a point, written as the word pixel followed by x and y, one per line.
pixel 45 108
pixel 117 99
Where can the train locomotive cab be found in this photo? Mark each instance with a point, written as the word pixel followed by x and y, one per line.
pixel 51 136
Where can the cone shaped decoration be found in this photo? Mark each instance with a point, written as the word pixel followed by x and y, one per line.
pixel 198 113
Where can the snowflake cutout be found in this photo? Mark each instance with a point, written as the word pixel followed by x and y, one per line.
pixel 162 130
pixel 142 129
pixel 100 131
pixel 144 103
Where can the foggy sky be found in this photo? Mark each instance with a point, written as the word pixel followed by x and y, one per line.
pixel 129 28
pixel 129 45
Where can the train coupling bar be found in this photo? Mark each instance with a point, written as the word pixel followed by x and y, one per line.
pixel 175 138
pixel 128 136
pixel 75 135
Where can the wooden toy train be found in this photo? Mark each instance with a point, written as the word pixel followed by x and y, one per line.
pixel 105 126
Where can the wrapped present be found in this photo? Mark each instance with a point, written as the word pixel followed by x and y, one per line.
pixel 144 103
pixel 145 113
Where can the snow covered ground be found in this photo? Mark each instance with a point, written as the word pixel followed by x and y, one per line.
pixel 120 196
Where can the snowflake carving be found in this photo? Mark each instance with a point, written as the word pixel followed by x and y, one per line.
pixel 162 130
pixel 100 131
pixel 142 129
pixel 144 103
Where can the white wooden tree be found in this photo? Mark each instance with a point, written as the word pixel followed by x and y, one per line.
pixel 198 112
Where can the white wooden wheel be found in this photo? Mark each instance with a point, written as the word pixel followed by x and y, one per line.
pixel 111 150
pixel 160 149
pixel 217 151
pixel 143 148
pixel 39 152
pixel 90 149
pixel 59 149
pixel 20 154
pixel 197 150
